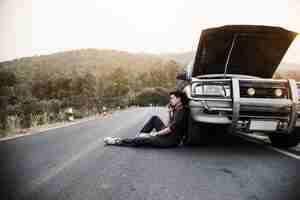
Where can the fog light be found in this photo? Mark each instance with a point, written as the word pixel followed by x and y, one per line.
pixel 278 92
pixel 282 125
pixel 251 91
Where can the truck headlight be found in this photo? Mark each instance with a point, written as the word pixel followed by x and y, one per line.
pixel 251 91
pixel 212 90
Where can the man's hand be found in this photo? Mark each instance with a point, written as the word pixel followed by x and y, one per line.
pixel 164 131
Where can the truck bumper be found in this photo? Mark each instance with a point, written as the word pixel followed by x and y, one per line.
pixel 249 114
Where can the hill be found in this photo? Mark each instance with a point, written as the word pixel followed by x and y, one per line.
pixel 288 71
pixel 181 58
pixel 95 61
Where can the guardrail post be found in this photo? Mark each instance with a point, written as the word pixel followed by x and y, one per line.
pixel 235 102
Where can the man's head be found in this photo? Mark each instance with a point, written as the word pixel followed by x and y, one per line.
pixel 177 97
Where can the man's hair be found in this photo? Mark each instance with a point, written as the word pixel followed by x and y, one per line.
pixel 181 95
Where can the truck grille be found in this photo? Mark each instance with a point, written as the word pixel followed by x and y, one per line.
pixel 264 89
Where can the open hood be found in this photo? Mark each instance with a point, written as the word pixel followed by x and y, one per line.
pixel 244 49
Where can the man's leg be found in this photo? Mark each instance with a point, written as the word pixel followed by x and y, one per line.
pixel 154 123
pixel 154 141
pixel 133 142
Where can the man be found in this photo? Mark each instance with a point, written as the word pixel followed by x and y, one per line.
pixel 169 135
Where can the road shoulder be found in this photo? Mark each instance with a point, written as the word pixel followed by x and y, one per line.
pixel 46 127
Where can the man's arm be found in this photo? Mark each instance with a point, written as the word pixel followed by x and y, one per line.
pixel 177 121
pixel 164 131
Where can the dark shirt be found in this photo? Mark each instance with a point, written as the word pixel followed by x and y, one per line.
pixel 178 122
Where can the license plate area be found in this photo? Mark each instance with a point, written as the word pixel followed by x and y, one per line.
pixel 261 125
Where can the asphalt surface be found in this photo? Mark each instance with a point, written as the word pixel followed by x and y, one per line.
pixel 73 163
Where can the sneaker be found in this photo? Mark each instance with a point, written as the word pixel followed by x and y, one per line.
pixel 112 140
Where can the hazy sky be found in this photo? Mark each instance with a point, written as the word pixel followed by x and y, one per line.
pixel 34 27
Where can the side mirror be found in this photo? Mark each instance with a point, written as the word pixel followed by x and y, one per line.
pixel 182 76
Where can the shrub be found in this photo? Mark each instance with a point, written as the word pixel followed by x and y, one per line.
pixel 156 96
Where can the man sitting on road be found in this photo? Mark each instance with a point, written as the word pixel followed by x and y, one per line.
pixel 169 135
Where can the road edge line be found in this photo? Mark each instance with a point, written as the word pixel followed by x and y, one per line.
pixel 261 142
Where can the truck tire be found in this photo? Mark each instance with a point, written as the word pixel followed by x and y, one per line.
pixel 197 134
pixel 285 141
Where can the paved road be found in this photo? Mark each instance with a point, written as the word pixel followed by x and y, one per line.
pixel 72 163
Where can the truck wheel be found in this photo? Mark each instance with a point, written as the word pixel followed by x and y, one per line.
pixel 285 141
pixel 197 133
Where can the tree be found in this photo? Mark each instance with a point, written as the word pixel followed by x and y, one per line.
pixel 156 96
pixel 118 83
pixel 7 80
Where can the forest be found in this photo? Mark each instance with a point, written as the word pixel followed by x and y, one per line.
pixel 41 89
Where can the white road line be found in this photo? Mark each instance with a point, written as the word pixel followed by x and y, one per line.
pixel 285 152
pixel 259 141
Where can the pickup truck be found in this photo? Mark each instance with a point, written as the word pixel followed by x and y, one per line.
pixel 230 86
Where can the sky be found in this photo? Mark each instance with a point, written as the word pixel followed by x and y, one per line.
pixel 37 27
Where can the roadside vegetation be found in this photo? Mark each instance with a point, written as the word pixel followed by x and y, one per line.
pixel 288 74
pixel 47 89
